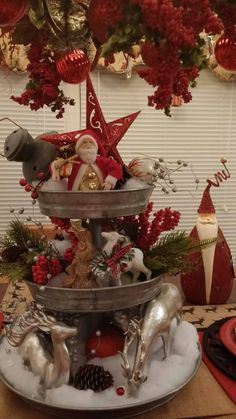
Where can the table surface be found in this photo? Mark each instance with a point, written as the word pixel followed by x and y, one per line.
pixel 201 398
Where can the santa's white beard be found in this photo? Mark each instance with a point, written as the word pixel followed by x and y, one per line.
pixel 88 155
pixel 207 228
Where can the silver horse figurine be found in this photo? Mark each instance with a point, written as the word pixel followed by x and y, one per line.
pixel 53 372
pixel 156 322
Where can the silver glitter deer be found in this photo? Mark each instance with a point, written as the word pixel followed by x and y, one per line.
pixel 156 322
pixel 53 371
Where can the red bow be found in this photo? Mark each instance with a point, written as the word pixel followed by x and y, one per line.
pixel 118 253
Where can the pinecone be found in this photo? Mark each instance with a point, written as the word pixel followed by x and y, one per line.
pixel 11 254
pixel 93 377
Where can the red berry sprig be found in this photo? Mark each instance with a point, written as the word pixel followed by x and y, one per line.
pixel 69 255
pixel 45 268
pixel 148 231
pixel 40 270
pixel 43 86
pixel 33 189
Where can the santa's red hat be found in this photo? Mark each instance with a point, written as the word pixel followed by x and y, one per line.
pixel 206 206
pixel 89 134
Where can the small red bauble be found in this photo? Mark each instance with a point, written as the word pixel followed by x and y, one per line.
pixel 12 11
pixel 34 195
pixel 225 52
pixel 73 67
pixel 120 391
pixel 40 175
pixel 23 182
pixel 28 188
pixel 108 341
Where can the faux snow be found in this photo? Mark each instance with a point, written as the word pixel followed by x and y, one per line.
pixel 164 376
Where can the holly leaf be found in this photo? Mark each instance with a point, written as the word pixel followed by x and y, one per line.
pixel 24 33
pixel 36 14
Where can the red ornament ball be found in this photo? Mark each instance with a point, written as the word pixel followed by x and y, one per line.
pixel 28 188
pixel 23 182
pixel 34 195
pixel 12 11
pixel 108 342
pixel 40 175
pixel 225 52
pixel 73 67
pixel 120 391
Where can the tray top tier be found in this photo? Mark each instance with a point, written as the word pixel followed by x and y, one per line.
pixel 94 205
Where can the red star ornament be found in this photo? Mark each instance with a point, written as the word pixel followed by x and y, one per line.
pixel 60 140
pixel 109 133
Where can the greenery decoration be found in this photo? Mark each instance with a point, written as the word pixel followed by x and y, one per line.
pixel 169 254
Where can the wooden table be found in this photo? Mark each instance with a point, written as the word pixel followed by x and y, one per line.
pixel 202 398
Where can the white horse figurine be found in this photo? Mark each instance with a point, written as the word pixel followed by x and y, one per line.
pixel 132 262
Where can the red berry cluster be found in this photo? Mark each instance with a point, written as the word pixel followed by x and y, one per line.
pixel 62 223
pixel 166 74
pixel 30 188
pixel 43 86
pixel 102 15
pixel 148 231
pixel 69 255
pixel 227 12
pixel 171 29
pixel 178 25
pixel 45 268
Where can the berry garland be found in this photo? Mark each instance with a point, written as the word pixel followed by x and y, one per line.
pixel 172 47
pixel 167 32
pixel 43 86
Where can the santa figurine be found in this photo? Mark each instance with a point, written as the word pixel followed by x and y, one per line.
pixel 87 170
pixel 211 280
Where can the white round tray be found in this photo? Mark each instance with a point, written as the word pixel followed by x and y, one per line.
pixel 116 412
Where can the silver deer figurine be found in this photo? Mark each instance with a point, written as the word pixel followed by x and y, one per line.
pixel 156 322
pixel 53 372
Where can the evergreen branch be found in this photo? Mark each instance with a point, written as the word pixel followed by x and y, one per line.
pixel 20 235
pixel 169 255
pixel 15 271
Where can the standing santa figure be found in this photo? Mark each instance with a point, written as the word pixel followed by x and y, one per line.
pixel 86 170
pixel 212 279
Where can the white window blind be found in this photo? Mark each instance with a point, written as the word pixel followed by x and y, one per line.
pixel 200 133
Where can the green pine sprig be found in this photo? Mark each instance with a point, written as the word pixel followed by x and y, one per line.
pixel 20 235
pixel 17 271
pixel 169 255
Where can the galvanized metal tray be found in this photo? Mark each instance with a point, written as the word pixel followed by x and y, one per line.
pixel 116 412
pixel 94 205
pixel 69 300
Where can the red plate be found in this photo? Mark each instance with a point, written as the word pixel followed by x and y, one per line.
pixel 228 335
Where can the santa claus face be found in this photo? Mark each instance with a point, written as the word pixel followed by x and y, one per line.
pixel 87 150
pixel 87 144
pixel 207 218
